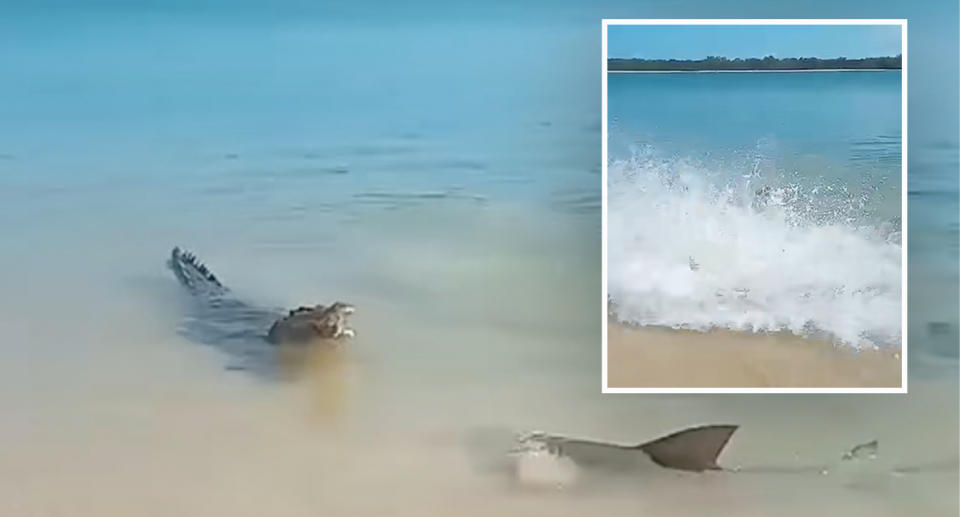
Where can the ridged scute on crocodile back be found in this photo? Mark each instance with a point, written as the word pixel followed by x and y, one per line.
pixel 193 274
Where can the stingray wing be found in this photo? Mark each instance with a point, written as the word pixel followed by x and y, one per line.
pixel 695 449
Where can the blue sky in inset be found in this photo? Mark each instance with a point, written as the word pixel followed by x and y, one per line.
pixel 746 41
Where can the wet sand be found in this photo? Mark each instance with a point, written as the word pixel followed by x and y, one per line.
pixel 667 358
pixel 134 421
pixel 108 412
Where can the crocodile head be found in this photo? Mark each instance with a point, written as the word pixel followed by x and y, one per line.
pixel 307 324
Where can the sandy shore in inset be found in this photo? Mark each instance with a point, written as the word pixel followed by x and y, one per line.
pixel 667 358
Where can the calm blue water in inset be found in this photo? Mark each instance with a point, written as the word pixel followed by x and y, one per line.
pixel 690 151
pixel 849 122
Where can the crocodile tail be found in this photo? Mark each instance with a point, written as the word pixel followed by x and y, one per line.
pixel 193 274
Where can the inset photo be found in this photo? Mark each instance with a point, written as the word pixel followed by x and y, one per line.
pixel 754 206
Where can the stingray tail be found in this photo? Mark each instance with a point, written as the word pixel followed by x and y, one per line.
pixel 695 449
pixel 193 274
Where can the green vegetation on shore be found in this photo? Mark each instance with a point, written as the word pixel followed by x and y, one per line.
pixel 714 63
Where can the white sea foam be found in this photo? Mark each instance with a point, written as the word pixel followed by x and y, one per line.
pixel 692 248
pixel 537 467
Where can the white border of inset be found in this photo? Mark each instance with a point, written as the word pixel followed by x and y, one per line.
pixel 903 353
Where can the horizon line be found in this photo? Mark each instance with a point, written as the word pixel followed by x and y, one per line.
pixel 757 58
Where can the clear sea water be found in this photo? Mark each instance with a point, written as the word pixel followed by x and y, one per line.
pixel 304 161
pixel 298 172
pixel 306 157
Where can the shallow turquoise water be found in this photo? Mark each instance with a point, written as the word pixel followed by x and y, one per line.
pixel 303 161
pixel 123 136
pixel 128 129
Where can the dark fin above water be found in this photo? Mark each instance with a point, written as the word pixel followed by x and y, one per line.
pixel 868 450
pixel 695 449
pixel 193 274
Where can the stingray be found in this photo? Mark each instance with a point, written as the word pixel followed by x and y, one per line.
pixel 695 449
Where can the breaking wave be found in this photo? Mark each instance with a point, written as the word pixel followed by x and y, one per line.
pixel 694 246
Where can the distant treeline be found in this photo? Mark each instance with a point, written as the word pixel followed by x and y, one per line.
pixel 767 63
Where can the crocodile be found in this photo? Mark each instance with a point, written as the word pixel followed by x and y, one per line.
pixel 216 316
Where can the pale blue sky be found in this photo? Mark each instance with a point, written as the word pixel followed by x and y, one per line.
pixel 745 41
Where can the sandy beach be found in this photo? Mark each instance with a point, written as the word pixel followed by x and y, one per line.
pixel 110 413
pixel 667 358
